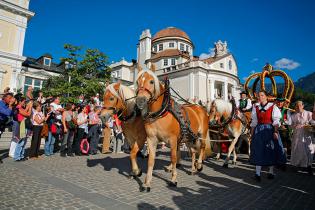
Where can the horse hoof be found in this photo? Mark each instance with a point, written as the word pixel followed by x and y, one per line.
pixel 234 163
pixel 192 172
pixel 167 170
pixel 173 184
pixel 225 165
pixel 178 165
pixel 145 189
pixel 140 173
pixel 200 169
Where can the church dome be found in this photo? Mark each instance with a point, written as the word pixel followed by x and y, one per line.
pixel 171 32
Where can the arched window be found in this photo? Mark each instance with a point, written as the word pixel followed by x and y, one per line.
pixel 230 64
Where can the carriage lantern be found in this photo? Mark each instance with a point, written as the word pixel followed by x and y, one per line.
pixel 269 72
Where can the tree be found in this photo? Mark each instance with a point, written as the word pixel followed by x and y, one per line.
pixel 84 74
pixel 308 98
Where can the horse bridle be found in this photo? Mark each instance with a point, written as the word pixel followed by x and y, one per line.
pixel 120 111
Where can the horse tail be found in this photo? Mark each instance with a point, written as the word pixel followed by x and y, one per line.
pixel 208 149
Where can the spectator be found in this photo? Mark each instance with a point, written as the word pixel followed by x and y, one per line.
pixel 94 128
pixel 29 93
pixel 19 135
pixel 68 130
pixel 118 135
pixel 82 123
pixel 6 105
pixel 52 128
pixel 38 120
pixel 41 99
pixel 302 150
pixel 57 109
pixel 6 90
pixel 97 100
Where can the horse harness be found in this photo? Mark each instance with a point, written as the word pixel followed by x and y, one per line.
pixel 220 127
pixel 176 109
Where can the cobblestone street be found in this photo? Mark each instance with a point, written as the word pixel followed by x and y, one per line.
pixel 101 182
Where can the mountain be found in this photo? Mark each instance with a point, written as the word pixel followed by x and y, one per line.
pixel 307 83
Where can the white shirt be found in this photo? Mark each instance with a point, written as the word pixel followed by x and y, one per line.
pixel 248 106
pixel 276 114
pixel 55 107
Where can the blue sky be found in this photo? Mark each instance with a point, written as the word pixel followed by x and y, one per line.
pixel 280 32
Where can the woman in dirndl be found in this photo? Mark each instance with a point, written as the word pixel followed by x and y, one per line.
pixel 266 145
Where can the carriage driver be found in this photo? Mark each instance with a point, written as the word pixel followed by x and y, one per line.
pixel 244 105
pixel 285 121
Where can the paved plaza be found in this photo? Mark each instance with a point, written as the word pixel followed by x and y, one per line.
pixel 101 182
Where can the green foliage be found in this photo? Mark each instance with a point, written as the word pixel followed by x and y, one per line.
pixel 86 73
pixel 302 95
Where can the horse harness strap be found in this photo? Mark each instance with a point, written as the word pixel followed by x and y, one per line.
pixel 177 111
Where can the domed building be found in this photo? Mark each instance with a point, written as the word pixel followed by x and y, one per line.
pixel 171 52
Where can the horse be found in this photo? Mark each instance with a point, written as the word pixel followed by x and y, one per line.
pixel 223 117
pixel 167 121
pixel 120 99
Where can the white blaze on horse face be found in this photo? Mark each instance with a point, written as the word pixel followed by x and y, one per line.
pixel 143 80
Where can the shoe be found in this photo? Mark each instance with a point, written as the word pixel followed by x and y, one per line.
pixel 70 155
pixel 18 160
pixel 1 161
pixel 257 178
pixel 63 154
pixel 270 176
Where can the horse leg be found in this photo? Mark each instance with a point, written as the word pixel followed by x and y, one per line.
pixel 231 148
pixel 234 157
pixel 193 160
pixel 173 144
pixel 135 171
pixel 152 144
pixel 219 151
pixel 201 155
pixel 168 168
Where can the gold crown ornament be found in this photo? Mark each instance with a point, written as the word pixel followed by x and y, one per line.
pixel 269 72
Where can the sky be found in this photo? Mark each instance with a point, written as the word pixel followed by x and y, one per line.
pixel 280 32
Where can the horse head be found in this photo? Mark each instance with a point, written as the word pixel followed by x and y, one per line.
pixel 219 109
pixel 114 101
pixel 148 89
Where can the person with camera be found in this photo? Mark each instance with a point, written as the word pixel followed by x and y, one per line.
pixel 68 130
pixel 38 119
pixel 20 112
pixel 94 129
pixel 6 105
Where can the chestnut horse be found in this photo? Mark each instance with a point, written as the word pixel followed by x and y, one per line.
pixel 120 99
pixel 223 115
pixel 161 124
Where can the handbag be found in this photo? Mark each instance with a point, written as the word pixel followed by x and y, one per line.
pixel 53 128
pixel 44 132
pixel 28 123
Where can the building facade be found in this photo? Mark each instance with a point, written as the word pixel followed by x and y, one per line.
pixel 36 70
pixel 171 52
pixel 14 16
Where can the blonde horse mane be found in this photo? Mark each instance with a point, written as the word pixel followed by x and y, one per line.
pixel 222 106
pixel 123 93
pixel 156 81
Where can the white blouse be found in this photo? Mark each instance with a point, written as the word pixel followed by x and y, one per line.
pixel 276 114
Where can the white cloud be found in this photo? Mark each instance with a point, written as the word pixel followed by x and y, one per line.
pixel 285 63
pixel 207 55
pixel 254 60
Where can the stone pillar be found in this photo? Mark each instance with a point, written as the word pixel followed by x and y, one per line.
pixel 212 91
pixel 225 91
